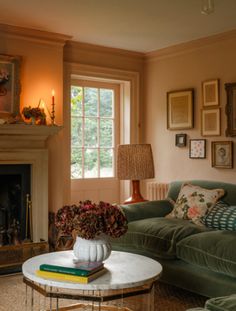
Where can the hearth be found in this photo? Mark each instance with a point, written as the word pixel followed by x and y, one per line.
pixel 15 192
pixel 23 193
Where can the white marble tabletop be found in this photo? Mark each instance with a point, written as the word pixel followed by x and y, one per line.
pixel 125 270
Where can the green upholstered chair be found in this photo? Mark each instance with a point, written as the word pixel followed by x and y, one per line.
pixel 226 303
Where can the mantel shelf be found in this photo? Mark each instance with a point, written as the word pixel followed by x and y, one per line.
pixel 29 130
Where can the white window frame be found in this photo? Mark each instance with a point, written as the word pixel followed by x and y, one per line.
pixel 115 139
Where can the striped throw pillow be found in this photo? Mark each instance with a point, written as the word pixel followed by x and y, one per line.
pixel 221 217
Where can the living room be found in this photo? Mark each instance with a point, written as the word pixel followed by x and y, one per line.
pixel 50 57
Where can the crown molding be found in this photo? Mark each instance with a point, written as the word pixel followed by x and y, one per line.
pixel 33 35
pixel 189 46
pixel 93 48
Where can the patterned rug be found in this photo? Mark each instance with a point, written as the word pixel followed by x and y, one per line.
pixel 167 298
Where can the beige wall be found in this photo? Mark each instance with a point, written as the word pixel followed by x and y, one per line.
pixel 181 67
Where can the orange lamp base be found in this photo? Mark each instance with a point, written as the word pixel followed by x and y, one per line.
pixel 136 196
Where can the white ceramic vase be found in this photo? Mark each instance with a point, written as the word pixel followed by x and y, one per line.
pixel 97 249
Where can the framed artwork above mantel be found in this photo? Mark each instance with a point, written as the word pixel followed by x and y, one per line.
pixel 9 85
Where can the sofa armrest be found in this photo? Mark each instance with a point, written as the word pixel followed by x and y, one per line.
pixel 226 303
pixel 148 209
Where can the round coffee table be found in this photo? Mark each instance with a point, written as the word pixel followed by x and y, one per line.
pixel 127 275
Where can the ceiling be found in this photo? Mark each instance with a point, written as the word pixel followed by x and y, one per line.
pixel 137 25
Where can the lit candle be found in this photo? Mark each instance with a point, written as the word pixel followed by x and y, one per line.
pixel 53 98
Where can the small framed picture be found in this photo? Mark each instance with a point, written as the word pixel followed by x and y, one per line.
pixel 222 154
pixel 211 122
pixel 197 148
pixel 210 93
pixel 180 109
pixel 180 140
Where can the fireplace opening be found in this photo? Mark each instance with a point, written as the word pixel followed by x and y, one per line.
pixel 15 214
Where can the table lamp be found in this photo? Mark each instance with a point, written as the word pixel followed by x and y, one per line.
pixel 135 162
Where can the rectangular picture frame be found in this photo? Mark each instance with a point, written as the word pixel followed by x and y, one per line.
pixel 180 140
pixel 197 148
pixel 211 125
pixel 180 109
pixel 222 154
pixel 210 93
pixel 9 85
pixel 230 108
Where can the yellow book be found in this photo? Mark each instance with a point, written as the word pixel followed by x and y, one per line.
pixel 68 277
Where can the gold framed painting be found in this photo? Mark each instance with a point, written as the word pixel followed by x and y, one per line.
pixel 211 122
pixel 180 109
pixel 230 109
pixel 222 154
pixel 9 85
pixel 210 93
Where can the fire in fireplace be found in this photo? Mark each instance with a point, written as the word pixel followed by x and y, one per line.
pixel 15 190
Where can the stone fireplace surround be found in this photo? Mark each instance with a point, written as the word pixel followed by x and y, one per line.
pixel 27 144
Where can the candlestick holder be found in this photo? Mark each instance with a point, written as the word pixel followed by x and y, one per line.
pixel 53 114
pixel 53 108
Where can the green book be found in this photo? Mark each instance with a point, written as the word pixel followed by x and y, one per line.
pixel 69 277
pixel 84 268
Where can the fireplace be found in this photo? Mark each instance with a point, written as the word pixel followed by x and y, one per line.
pixel 15 193
pixel 23 193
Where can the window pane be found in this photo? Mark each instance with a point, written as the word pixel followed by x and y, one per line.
pixel 106 103
pixel 76 132
pixel 106 131
pixel 90 132
pixel 106 165
pixel 90 163
pixel 90 102
pixel 76 163
pixel 76 100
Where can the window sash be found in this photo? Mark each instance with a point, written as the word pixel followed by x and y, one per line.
pixel 99 147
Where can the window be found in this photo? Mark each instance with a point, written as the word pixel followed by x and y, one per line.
pixel 92 130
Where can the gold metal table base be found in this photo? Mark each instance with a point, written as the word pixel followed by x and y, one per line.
pixel 78 306
pixel 88 300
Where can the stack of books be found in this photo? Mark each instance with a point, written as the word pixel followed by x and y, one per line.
pixel 79 272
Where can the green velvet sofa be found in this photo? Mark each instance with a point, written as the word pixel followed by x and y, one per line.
pixel 226 303
pixel 193 257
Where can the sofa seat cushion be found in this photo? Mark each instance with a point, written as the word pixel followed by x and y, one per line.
pixel 156 237
pixel 212 250
pixel 227 303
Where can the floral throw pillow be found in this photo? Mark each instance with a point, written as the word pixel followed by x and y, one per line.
pixel 193 202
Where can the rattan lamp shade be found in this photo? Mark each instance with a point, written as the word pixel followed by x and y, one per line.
pixel 135 162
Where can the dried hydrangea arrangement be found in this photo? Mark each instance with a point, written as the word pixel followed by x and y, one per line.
pixel 89 220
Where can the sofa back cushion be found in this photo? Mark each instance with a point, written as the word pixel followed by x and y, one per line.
pixel 212 250
pixel 194 201
pixel 221 216
pixel 230 189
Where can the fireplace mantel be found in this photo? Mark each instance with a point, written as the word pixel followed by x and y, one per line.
pixel 25 129
pixel 26 136
pixel 27 144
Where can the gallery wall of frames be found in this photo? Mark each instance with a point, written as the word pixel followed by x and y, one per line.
pixel 180 116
